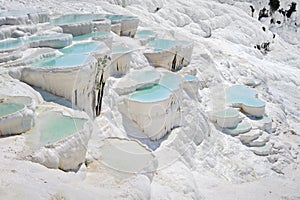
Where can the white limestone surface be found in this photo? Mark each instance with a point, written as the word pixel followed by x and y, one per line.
pixel 120 61
pixel 227 118
pixel 76 86
pixel 169 54
pixel 56 41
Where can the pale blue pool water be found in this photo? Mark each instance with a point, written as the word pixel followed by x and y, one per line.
pixel 117 18
pixel 171 81
pixel 161 44
pixel 83 48
pixel 76 18
pixel 229 112
pixel 243 126
pixel 90 35
pixel 68 60
pixel 54 126
pixel 9 44
pixel 244 95
pixel 145 33
pixel 9 108
pixel 119 49
pixel 190 78
pixel 152 94
pixel 145 76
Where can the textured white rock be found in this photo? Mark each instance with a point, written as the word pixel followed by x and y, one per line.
pixel 248 137
pixel 129 27
pixel 227 118
pixel 27 16
pixel 155 119
pixel 171 58
pixel 261 141
pixel 56 41
pixel 264 150
pixel 120 61
pixel 124 158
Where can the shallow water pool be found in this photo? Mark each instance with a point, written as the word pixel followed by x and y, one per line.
pixel 76 18
pixel 10 44
pixel 68 60
pixel 242 94
pixel 9 108
pixel 83 48
pixel 53 126
pixel 151 94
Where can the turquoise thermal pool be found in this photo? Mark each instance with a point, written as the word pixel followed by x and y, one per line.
pixel 151 94
pixel 118 18
pixel 241 127
pixel 162 44
pixel 54 126
pixel 190 78
pixel 83 48
pixel 145 33
pixel 10 45
pixel 68 60
pixel 76 18
pixel 240 94
pixel 9 108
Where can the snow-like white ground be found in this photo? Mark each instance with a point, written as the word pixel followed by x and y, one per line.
pixel 221 167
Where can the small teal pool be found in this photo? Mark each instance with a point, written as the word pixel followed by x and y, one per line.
pixel 161 44
pixel 55 126
pixel 90 35
pixel 171 81
pixel 10 44
pixel 240 94
pixel 9 108
pixel 117 18
pixel 67 60
pixel 76 18
pixel 241 127
pixel 190 78
pixel 228 112
pixel 83 48
pixel 145 34
pixel 152 94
